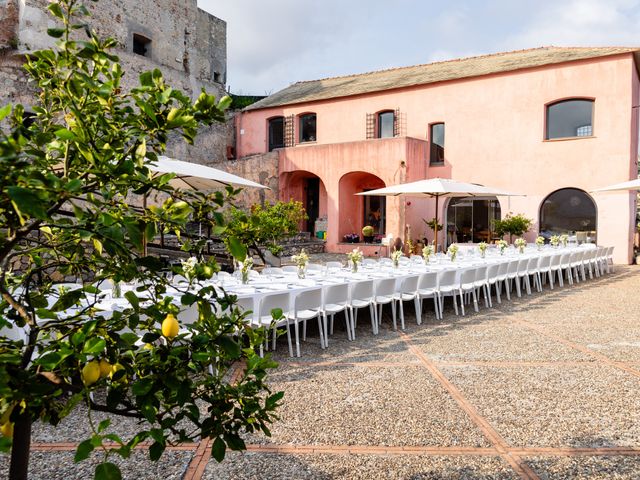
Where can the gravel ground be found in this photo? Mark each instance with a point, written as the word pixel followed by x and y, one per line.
pixel 534 391
pixel 254 466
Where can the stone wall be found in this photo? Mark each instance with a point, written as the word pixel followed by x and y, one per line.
pixel 259 168
pixel 9 14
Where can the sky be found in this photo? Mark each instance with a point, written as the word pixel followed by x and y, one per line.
pixel 273 43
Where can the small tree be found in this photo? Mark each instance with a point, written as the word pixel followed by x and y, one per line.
pixel 64 212
pixel 512 225
pixel 433 225
pixel 265 226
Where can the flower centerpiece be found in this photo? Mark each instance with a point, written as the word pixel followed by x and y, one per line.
pixel 554 240
pixel 395 256
pixel 564 239
pixel 245 267
pixel 540 242
pixel 189 267
pixel 502 246
pixel 367 233
pixel 520 243
pixel 482 246
pixel 301 260
pixel 355 256
pixel 427 251
pixel 453 251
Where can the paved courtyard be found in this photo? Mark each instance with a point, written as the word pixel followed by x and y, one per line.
pixel 546 386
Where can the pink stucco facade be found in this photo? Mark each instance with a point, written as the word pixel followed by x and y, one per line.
pixel 495 128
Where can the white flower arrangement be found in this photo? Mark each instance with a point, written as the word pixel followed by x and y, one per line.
pixel 482 247
pixel 301 259
pixel 245 267
pixel 502 245
pixel 453 251
pixel 554 240
pixel 540 241
pixel 395 256
pixel 189 267
pixel 520 243
pixel 427 251
pixel 564 239
pixel 355 256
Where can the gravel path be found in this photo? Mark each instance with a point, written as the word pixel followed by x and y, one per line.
pixel 545 386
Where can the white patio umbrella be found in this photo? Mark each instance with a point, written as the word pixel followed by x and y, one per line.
pixel 194 176
pixel 630 185
pixel 437 188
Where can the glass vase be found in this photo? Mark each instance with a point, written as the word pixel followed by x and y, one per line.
pixel 302 271
pixel 245 277
pixel 354 267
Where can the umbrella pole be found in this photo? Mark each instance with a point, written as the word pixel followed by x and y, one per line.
pixel 436 225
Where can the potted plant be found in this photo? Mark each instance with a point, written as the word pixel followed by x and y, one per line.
pixel 513 225
pixel 351 238
pixel 367 234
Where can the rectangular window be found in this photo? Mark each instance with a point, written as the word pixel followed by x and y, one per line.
pixel 386 124
pixel 569 119
pixel 141 45
pixel 436 144
pixel 308 127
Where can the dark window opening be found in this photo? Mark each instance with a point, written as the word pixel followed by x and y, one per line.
pixel 570 119
pixel 308 127
pixel 386 121
pixel 436 143
pixel 141 45
pixel 569 211
pixel 217 77
pixel 276 133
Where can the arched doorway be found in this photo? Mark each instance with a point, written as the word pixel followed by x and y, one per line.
pixel 569 211
pixel 357 211
pixel 470 219
pixel 308 188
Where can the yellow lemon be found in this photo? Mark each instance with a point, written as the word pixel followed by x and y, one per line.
pixel 148 346
pixel 105 368
pixel 7 429
pixel 91 372
pixel 170 326
pixel 5 416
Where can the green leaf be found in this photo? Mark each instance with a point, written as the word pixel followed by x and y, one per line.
pixel 55 32
pixel 230 347
pixel 107 471
pixel 156 450
pixel 25 201
pixel 97 244
pixel 4 111
pixel 55 9
pixel 65 134
pixel 94 346
pixel 218 449
pixel 133 299
pixel 142 387
pixel 67 300
pixel 83 451
pixel 104 424
pixel 237 249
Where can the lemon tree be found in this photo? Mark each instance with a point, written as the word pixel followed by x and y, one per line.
pixel 65 210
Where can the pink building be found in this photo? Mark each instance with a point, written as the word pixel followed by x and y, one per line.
pixel 551 123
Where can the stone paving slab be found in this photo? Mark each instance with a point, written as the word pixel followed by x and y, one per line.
pixel 352 405
pixel 583 467
pixel 253 466
pixel 587 406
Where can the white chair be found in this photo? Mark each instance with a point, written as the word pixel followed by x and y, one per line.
pixel 265 318
pixel 272 271
pixel 332 265
pixel 576 265
pixel 512 276
pixel 409 291
pixel 555 268
pixel 500 280
pixel 362 295
pixel 314 267
pixel 540 267
pixel 336 299
pixel 307 305
pixel 290 269
pixel 369 262
pixel 447 287
pixel 385 262
pixel 565 268
pixel 522 276
pixel 609 259
pixel 428 288
pixel 385 293
pixel 481 282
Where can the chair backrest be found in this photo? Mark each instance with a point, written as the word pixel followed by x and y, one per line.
pixel 522 265
pixel 512 267
pixel 290 269
pixel 385 287
pixel 105 284
pixel 334 264
pixel 555 260
pixel 428 280
pixel 385 261
pixel 404 260
pixel 481 274
pixel 468 275
pixel 314 267
pixel 274 300
pixel 409 284
pixel 447 278
pixel 610 252
pixel 417 259
pixel 362 290
pixel 308 300
pixel 502 268
pixel 336 294
pixel 565 258
pixel 544 262
pixel 493 270
pixel 533 263
pixel 369 262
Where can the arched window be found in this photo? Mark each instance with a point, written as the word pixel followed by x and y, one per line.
pixel 569 119
pixel 571 211
pixel 436 144
pixel 307 128
pixel 386 121
pixel 276 133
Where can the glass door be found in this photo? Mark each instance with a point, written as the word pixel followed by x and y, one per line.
pixel 470 219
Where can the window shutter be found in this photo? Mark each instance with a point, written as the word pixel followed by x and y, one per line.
pixel 396 123
pixel 371 126
pixel 288 131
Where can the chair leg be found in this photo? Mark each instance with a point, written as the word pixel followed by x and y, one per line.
pixel 436 307
pixel 288 338
pixel 507 289
pixel 347 322
pixel 462 303
pixel 304 331
pixel 418 307
pixel 322 321
pixel 374 318
pixel 296 327
pixel 393 314
pixel 401 314
pixel 498 288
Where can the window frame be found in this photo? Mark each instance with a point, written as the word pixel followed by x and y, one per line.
pixel 301 116
pixel 269 120
pixel 430 135
pixel 144 41
pixel 545 133
pixel 393 122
